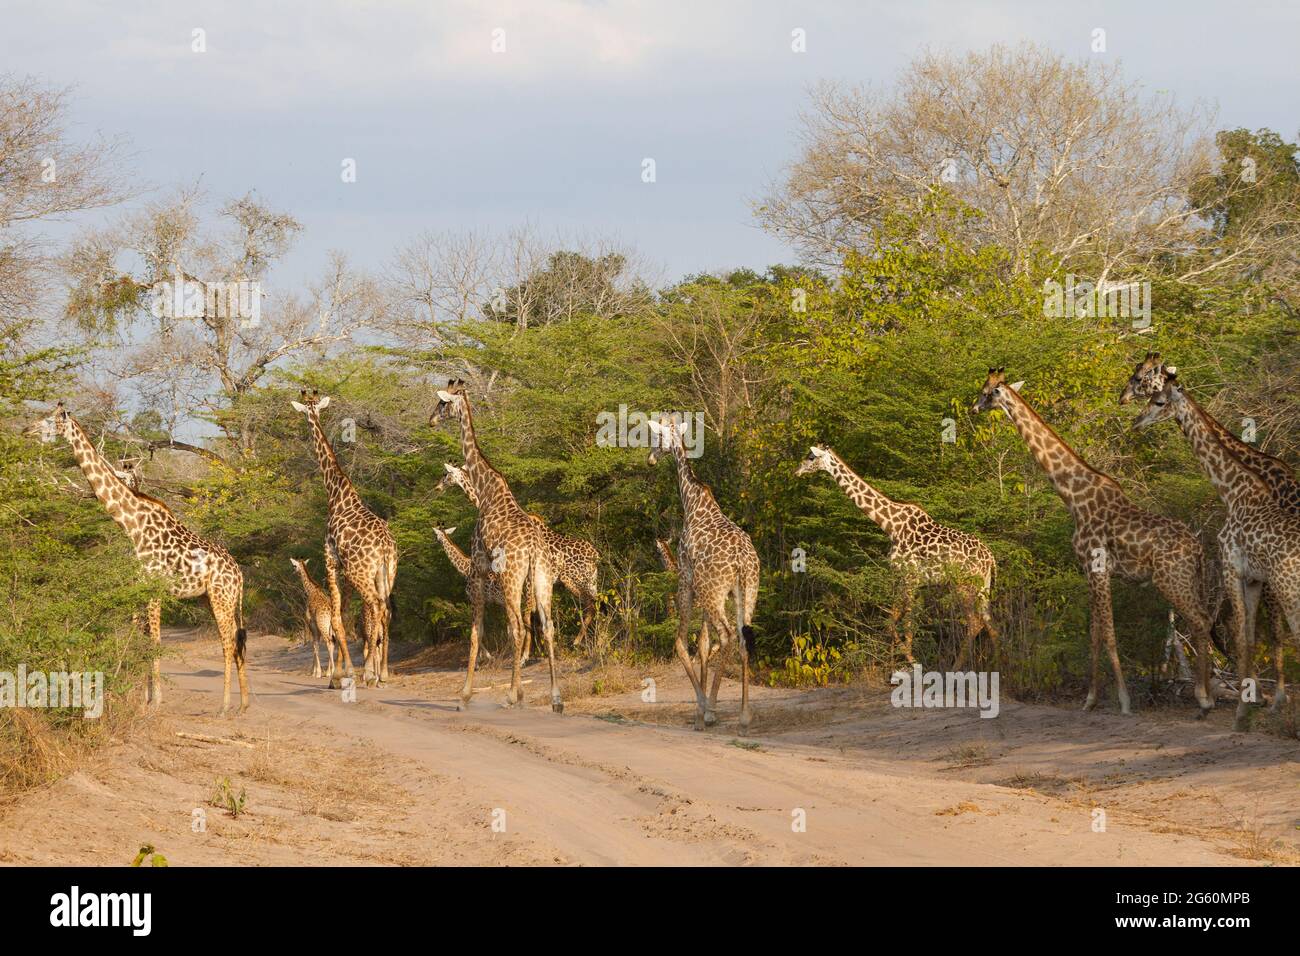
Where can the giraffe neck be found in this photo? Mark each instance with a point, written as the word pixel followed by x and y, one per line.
pixel 695 494
pixel 337 485
pixel 307 583
pixel 1070 475
pixel 488 484
pixel 458 558
pixel 1235 483
pixel 122 504
pixel 887 513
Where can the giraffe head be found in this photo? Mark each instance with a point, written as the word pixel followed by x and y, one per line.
pixel 1161 405
pixel 663 437
pixel 456 476
pixel 299 564
pixel 312 402
pixel 451 402
pixel 997 391
pixel 57 424
pixel 819 459
pixel 1148 378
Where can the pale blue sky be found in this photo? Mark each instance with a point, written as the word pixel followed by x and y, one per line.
pixel 448 134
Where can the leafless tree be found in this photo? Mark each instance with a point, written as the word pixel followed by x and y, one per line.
pixel 44 176
pixel 439 280
pixel 189 310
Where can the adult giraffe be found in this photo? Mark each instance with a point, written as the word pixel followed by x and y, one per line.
pixel 922 550
pixel 507 542
pixel 1260 540
pixel 573 562
pixel 358 541
pixel 192 565
pixel 1148 379
pixel 1113 536
pixel 715 560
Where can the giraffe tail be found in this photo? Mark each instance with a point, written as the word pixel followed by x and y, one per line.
pixel 241 634
pixel 746 632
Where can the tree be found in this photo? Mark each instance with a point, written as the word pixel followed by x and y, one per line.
pixel 1065 159
pixel 187 308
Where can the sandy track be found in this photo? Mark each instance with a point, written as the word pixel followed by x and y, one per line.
pixel 402 777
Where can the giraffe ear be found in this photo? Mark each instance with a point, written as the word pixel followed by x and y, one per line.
pixel 299 406
pixel 449 531
pixel 444 396
pixel 323 403
pixel 655 427
pixel 451 469
pixel 1016 386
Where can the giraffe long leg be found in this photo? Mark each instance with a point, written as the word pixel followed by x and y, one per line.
pixel 530 607
pixel 1279 666
pixel 476 597
pixel 684 601
pixel 1182 589
pixel 724 641
pixel 972 624
pixel 902 613
pixel 991 629
pixel 513 591
pixel 153 686
pixel 313 632
pixel 225 619
pixel 385 616
pixel 337 625
pixel 1250 594
pixel 542 592
pixel 703 649
pixel 1102 628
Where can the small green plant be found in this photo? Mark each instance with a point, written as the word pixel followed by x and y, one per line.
pixel 147 852
pixel 746 745
pixel 224 798
pixel 812 663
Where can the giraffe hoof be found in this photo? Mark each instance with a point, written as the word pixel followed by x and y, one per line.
pixel 710 718
pixel 557 706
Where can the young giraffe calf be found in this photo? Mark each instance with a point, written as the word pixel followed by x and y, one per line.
pixel 573 562
pixel 318 617
pixel 924 552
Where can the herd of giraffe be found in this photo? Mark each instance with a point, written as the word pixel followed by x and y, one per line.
pixel 515 558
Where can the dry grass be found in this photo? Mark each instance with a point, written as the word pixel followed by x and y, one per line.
pixel 37 747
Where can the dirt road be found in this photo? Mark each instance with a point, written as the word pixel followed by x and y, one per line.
pixel 828 777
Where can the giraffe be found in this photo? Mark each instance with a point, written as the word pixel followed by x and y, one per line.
pixel 666 556
pixel 1112 535
pixel 506 542
pixel 1148 379
pixel 192 565
pixel 573 562
pixel 462 563
pixel 318 618
pixel 924 551
pixel 715 560
pixel 357 541
pixel 1259 541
